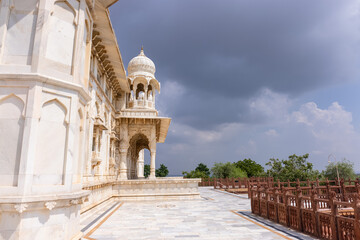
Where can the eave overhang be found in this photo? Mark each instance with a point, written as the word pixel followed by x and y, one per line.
pixel 107 38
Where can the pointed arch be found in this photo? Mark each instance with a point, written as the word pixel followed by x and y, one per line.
pixel 61 37
pixel 155 84
pixel 67 6
pixel 19 41
pixel 11 126
pixel 49 165
pixel 17 101
pixel 61 106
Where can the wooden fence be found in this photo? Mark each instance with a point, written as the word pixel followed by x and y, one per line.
pixel 227 183
pixel 224 183
pixel 328 210
pixel 206 182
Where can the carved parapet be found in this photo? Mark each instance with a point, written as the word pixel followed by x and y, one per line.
pixel 141 103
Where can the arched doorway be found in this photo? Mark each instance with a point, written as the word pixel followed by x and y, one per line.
pixel 137 143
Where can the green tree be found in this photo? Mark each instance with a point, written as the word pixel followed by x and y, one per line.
pixel 203 168
pixel 195 174
pixel 345 167
pixel 227 170
pixel 296 167
pixel 162 171
pixel 146 170
pixel 250 167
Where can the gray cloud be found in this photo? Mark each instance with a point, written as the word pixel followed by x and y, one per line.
pixel 231 71
pixel 227 51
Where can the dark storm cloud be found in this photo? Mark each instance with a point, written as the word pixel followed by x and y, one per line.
pixel 223 52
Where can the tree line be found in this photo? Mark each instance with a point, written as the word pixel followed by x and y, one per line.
pixel 293 168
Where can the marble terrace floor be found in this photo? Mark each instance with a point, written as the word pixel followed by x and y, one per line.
pixel 214 216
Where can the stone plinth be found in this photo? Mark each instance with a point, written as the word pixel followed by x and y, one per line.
pixel 41 217
pixel 157 189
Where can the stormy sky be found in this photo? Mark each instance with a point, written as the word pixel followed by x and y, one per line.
pixel 250 79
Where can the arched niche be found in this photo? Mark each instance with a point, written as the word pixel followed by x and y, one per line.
pixel 149 93
pixel 21 27
pixel 49 167
pixel 61 37
pixel 140 89
pixel 11 126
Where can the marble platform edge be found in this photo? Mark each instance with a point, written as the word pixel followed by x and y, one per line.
pixel 157 180
pixel 232 194
pixel 43 198
pixel 276 226
pixel 158 197
pixel 106 211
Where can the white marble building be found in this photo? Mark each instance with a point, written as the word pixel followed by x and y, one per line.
pixel 73 123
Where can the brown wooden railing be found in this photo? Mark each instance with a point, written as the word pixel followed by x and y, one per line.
pixel 206 182
pixel 224 183
pixel 328 210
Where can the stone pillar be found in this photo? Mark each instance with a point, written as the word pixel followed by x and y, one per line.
pixel 140 165
pixel 152 165
pixel 96 148
pixel 123 167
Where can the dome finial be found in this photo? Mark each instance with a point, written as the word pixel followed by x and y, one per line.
pixel 142 51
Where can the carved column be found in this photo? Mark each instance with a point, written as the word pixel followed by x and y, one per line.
pixel 152 152
pixel 123 167
pixel 140 165
pixel 152 164
pixel 123 150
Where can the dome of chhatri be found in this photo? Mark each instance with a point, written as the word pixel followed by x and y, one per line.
pixel 141 65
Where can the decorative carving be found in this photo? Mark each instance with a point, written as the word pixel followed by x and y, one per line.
pixel 20 207
pixel 74 201
pixel 95 159
pixel 50 205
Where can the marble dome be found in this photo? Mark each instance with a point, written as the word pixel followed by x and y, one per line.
pixel 141 65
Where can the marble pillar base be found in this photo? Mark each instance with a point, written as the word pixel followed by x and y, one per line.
pixel 157 189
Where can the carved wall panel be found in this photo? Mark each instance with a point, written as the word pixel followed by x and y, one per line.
pixel 20 32
pixel 61 38
pixel 11 127
pixel 51 144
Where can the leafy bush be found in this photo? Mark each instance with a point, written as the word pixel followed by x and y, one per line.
pixel 227 170
pixel 296 167
pixel 345 167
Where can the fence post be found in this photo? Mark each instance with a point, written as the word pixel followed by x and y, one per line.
pixel 298 204
pixel 357 215
pixel 334 213
pixel 286 201
pixel 259 198
pixel 267 200
pixel 328 188
pixel 314 207
pixel 343 191
pixel 276 200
